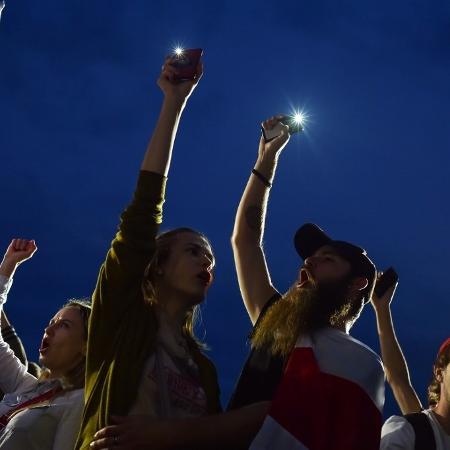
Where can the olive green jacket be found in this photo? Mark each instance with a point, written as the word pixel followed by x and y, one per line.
pixel 123 326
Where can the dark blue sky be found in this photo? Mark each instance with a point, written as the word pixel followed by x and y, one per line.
pixel 78 101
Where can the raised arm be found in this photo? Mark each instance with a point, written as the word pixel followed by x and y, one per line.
pixel 159 151
pixel 13 373
pixel 133 245
pixel 12 339
pixel 247 240
pixel 118 302
pixel 17 252
pixel 395 364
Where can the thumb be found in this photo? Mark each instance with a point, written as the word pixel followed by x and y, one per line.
pixel 282 138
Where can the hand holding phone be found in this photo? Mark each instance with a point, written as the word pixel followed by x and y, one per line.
pixel 386 281
pixel 271 133
pixel 186 62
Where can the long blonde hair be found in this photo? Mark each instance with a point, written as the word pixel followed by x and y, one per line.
pixel 164 242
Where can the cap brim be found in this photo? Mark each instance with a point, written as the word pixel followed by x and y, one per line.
pixel 309 238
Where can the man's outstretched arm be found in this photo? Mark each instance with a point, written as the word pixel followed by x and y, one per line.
pixel 395 364
pixel 247 239
pixel 231 430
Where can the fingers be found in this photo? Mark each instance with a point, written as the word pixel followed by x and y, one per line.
pixel 19 244
pixel 271 122
pixel 199 71
pixel 391 291
pixel 105 438
pixel 283 137
pixel 32 247
pixel 24 246
pixel 109 431
pixel 169 72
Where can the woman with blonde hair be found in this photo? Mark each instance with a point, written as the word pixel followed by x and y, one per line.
pixel 43 413
pixel 144 362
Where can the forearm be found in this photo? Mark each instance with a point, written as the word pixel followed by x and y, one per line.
pixel 159 151
pixel 251 213
pixel 8 268
pixel 396 368
pixel 235 429
pixel 253 274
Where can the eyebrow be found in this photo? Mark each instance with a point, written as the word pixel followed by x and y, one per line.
pixel 61 320
pixel 201 248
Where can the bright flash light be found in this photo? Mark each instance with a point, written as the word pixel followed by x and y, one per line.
pixel 178 51
pixel 299 118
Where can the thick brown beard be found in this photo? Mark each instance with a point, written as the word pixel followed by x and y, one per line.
pixel 302 310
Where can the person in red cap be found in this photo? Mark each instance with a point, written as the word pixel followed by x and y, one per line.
pixel 430 428
pixel 326 388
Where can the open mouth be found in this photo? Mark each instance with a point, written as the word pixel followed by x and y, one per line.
pixel 304 277
pixel 45 344
pixel 205 277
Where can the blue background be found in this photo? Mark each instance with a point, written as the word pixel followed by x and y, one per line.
pixel 78 101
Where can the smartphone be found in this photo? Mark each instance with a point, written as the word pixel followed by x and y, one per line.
pixel 387 280
pixel 186 62
pixel 275 131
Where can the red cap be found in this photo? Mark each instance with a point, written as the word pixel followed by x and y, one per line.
pixel 445 344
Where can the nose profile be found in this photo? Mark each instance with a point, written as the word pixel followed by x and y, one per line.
pixel 207 262
pixel 311 260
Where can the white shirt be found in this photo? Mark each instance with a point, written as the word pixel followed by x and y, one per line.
pixel 170 384
pixel 51 427
pixel 398 433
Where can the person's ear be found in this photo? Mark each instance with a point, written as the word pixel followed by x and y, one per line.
pixel 438 374
pixel 358 284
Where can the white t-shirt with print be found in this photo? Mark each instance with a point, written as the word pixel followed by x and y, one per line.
pixel 170 385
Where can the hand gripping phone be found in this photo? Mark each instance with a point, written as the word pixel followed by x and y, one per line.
pixel 186 61
pixel 275 131
pixel 387 280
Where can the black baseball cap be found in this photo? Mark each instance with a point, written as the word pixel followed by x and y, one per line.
pixel 309 238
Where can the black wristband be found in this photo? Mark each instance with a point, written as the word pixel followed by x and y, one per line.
pixel 262 178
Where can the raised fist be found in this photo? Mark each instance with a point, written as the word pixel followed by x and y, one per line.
pixel 19 251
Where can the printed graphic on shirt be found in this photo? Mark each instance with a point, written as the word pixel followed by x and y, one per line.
pixel 184 392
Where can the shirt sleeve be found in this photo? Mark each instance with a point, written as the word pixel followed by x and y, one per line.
pixel 397 434
pixel 13 373
pixel 5 286
pixel 120 277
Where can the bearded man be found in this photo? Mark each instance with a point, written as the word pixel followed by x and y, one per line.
pixel 326 388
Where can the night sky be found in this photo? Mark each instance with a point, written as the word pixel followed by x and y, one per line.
pixel 78 102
